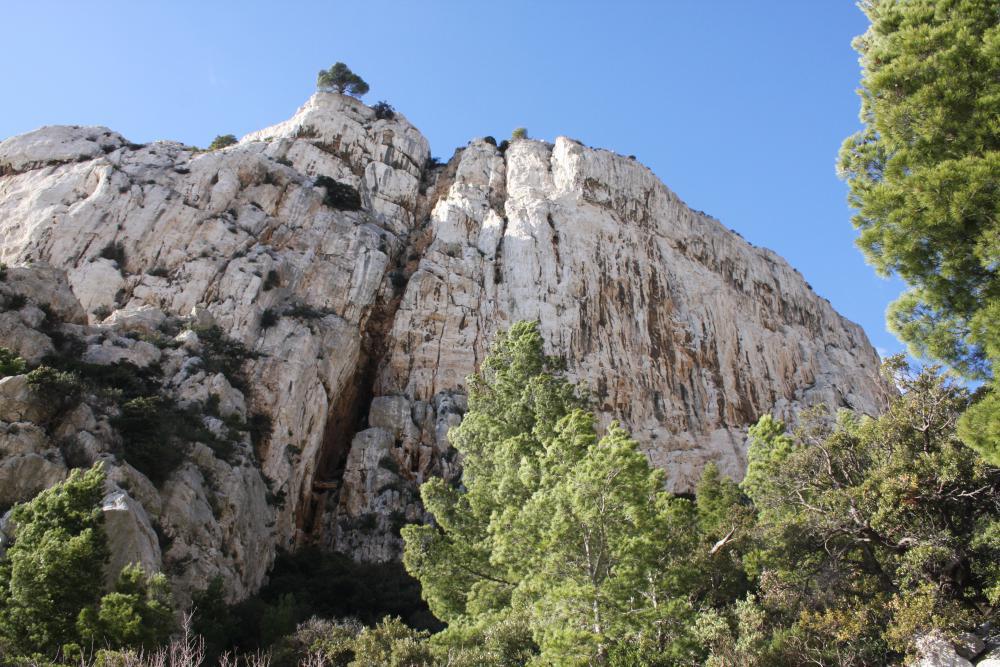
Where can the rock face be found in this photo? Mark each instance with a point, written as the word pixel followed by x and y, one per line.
pixel 352 285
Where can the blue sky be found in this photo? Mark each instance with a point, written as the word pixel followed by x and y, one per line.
pixel 739 107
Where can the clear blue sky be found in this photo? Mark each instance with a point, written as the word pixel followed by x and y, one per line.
pixel 738 106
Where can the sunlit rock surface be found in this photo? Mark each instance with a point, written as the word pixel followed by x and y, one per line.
pixel 360 322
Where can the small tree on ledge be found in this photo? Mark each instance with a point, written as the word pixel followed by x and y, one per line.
pixel 340 79
pixel 222 141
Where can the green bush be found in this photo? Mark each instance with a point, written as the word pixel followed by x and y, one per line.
pixel 150 427
pixel 383 110
pixel 51 587
pixel 271 281
pixel 222 354
pixel 58 387
pixel 269 318
pixel 15 302
pixel 136 615
pixel 339 195
pixel 114 251
pixel 222 141
pixel 10 363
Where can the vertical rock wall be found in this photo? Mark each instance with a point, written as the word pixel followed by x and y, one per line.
pixel 361 320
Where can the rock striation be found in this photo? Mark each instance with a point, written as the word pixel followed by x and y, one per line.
pixel 318 293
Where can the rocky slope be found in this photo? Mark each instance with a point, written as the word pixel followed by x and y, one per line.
pixel 315 296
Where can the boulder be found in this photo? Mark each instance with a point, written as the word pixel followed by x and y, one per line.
pixel 131 538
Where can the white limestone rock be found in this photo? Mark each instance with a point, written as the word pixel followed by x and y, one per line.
pixel 116 349
pixel 675 325
pixel 24 338
pixel 54 145
pixel 18 403
pixel 96 284
pixel 22 476
pixel 392 414
pixel 934 650
pixel 143 319
pixel 131 538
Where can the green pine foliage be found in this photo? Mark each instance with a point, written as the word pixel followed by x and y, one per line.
pixel 924 176
pixel 340 79
pixel 10 363
pixel 137 614
pixel 870 532
pixel 52 570
pixel 52 599
pixel 223 141
pixel 555 531
pixel 845 542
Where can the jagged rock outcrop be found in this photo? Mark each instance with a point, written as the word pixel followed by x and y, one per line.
pixel 326 286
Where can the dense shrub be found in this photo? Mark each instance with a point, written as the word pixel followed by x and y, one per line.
pixel 312 583
pixel 137 614
pixel 222 141
pixel 10 363
pixel 269 318
pixel 54 386
pixel 271 281
pixel 15 302
pixel 222 354
pixel 383 110
pixel 115 251
pixel 150 428
pixel 339 195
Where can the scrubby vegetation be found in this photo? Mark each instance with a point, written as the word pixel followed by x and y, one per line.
pixel 52 598
pixel 383 110
pixel 339 195
pixel 10 363
pixel 223 141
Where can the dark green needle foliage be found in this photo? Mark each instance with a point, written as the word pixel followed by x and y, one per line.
pixel 340 79
pixel 924 176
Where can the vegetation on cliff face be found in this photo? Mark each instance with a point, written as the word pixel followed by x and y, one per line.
pixel 924 175
pixel 52 596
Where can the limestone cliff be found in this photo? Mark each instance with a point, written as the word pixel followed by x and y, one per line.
pixel 352 285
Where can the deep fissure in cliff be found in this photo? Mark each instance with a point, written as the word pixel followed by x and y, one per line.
pixel 348 415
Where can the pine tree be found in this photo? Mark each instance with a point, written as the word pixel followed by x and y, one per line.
pixel 340 79
pixel 924 176
pixel 52 570
pixel 552 525
pixel 51 579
